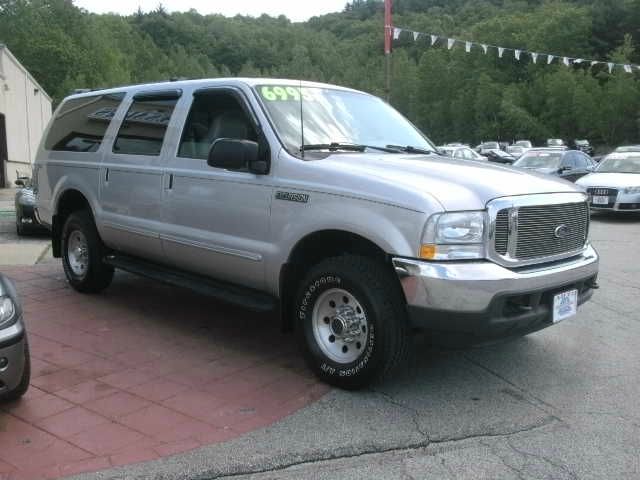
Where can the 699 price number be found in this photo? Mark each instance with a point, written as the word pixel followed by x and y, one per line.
pixel 282 94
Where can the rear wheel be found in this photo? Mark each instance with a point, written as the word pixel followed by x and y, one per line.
pixel 83 253
pixel 351 321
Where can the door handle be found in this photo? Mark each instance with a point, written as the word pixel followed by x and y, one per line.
pixel 170 181
pixel 106 175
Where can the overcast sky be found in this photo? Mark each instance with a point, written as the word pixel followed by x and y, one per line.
pixel 296 10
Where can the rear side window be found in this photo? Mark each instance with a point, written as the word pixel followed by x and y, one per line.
pixel 81 123
pixel 143 129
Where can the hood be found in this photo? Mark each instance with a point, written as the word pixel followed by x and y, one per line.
pixel 455 184
pixel 613 180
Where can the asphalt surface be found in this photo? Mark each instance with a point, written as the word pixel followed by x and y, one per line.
pixel 559 404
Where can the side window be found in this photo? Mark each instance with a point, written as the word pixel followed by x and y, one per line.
pixel 459 153
pixel 582 161
pixel 468 154
pixel 80 124
pixel 569 160
pixel 213 115
pixel 143 129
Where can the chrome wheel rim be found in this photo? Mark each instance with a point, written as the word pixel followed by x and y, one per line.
pixel 340 326
pixel 78 253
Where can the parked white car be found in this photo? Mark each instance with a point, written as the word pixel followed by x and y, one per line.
pixel 615 184
pixel 462 152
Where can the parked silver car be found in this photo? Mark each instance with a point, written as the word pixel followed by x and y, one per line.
pixel 461 152
pixel 320 201
pixel 615 185
pixel 15 363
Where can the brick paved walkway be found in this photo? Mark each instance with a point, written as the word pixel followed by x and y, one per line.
pixel 139 372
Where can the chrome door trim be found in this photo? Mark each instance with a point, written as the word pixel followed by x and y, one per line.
pixel 256 257
pixel 127 229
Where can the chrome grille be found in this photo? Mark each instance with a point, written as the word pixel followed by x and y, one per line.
pixel 502 232
pixel 541 230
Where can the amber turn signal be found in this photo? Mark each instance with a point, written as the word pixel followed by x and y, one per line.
pixel 427 252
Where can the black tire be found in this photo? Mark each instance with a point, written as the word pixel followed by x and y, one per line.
pixel 374 287
pixel 23 386
pixel 98 275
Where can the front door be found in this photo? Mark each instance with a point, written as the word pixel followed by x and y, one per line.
pixel 132 175
pixel 216 221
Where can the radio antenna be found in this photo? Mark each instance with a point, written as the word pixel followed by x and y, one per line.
pixel 301 120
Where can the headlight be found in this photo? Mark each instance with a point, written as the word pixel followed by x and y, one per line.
pixel 454 236
pixel 7 310
pixel 631 190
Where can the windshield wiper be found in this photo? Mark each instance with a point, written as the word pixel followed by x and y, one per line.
pixel 410 149
pixel 350 147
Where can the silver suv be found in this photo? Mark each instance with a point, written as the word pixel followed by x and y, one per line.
pixel 320 201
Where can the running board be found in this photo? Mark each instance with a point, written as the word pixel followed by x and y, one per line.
pixel 226 292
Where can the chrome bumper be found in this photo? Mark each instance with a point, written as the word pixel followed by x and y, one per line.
pixel 12 345
pixel 471 287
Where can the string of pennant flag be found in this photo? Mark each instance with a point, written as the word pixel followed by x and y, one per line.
pixel 517 52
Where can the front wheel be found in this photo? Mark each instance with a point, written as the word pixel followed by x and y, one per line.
pixel 352 321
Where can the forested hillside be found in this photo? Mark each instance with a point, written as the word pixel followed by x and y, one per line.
pixel 451 95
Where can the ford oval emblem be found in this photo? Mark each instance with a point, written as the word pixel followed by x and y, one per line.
pixel 561 231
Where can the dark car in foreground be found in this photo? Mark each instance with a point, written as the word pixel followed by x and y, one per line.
pixel 15 364
pixel 567 164
pixel 24 201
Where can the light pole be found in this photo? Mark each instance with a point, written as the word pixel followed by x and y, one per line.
pixel 388 36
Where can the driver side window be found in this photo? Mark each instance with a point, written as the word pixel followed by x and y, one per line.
pixel 569 160
pixel 214 115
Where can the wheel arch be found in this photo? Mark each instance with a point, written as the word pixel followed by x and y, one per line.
pixel 68 201
pixel 313 248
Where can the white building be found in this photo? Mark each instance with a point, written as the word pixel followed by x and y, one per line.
pixel 25 109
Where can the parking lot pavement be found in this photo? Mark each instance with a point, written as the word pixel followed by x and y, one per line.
pixel 140 372
pixel 558 404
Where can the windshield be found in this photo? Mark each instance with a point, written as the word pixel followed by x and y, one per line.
pixel 631 148
pixel 556 142
pixel 490 146
pixel 523 143
pixel 620 165
pixel 540 160
pixel 333 116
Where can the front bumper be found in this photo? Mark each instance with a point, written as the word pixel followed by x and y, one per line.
pixel 623 202
pixel 485 301
pixel 12 348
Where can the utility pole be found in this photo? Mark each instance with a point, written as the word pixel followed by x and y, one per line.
pixel 388 36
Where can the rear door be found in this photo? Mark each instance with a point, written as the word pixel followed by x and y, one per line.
pixel 132 175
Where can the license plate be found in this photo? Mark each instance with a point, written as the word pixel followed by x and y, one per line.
pixel 565 305
pixel 600 200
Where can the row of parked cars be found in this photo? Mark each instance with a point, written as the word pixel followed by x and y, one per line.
pixel 612 181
